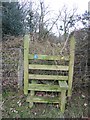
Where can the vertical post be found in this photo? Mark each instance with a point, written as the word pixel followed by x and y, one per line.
pixel 63 100
pixel 32 93
pixel 20 69
pixel 71 64
pixel 26 64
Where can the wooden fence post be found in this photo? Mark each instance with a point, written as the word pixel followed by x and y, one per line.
pixel 20 69
pixel 26 65
pixel 71 64
pixel 63 100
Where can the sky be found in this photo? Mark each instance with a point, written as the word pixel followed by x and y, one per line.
pixel 82 5
pixel 57 5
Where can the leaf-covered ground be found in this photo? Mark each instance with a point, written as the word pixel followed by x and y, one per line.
pixel 15 106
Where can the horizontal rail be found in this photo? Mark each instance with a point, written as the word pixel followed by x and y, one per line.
pixel 44 87
pixel 48 57
pixel 48 67
pixel 40 99
pixel 47 77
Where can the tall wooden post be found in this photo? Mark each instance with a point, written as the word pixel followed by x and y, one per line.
pixel 26 65
pixel 71 64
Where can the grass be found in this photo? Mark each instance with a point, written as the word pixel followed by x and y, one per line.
pixel 15 106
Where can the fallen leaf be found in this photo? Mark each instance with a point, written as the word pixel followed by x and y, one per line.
pixel 85 104
pixel 83 96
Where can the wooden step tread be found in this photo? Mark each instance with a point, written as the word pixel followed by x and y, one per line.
pixel 44 87
pixel 63 84
pixel 40 99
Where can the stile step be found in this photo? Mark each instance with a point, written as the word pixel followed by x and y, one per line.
pixel 43 99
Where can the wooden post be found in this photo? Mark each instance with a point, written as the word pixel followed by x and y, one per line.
pixel 20 69
pixel 32 93
pixel 71 64
pixel 63 100
pixel 26 65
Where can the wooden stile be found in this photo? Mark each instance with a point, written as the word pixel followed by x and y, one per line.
pixel 64 82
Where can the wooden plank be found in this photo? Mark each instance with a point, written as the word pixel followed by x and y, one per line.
pixel 63 84
pixel 71 64
pixel 26 65
pixel 49 57
pixel 47 77
pixel 44 87
pixel 48 67
pixel 39 99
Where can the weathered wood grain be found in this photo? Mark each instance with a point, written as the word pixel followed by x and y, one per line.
pixel 47 77
pixel 48 67
pixel 26 65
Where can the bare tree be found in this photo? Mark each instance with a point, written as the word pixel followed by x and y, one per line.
pixel 67 20
pixel 41 20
